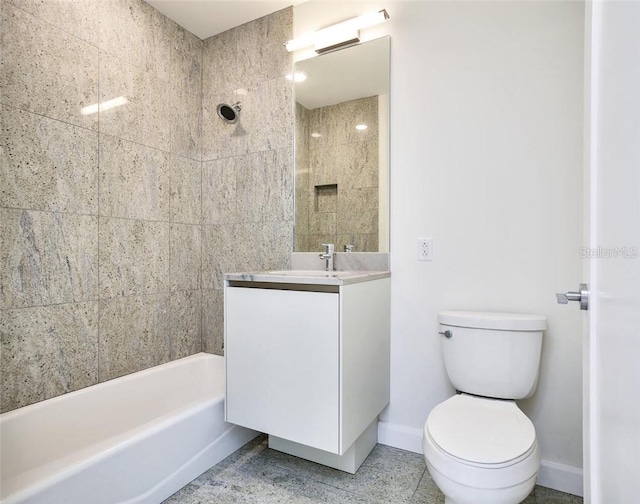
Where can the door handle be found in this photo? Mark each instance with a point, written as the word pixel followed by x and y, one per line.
pixel 582 296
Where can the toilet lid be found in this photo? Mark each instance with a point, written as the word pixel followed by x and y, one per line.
pixel 481 430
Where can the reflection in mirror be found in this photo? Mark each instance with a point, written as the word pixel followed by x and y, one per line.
pixel 341 149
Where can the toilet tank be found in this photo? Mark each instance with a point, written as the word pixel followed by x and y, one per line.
pixel 492 354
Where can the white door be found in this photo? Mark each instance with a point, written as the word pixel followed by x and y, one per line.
pixel 612 363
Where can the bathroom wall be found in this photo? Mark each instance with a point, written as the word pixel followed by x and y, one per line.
pixel 340 200
pixel 247 169
pixel 486 157
pixel 100 254
pixel 113 231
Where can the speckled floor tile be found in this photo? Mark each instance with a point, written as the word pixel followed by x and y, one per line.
pixel 257 474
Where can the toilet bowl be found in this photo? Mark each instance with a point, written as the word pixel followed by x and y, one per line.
pixel 480 448
pixel 481 451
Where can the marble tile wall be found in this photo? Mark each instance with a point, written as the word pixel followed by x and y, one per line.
pixel 247 185
pixel 101 236
pixel 337 183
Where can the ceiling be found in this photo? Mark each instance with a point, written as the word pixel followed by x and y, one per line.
pixel 205 18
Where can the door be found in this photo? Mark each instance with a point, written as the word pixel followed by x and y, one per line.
pixel 612 349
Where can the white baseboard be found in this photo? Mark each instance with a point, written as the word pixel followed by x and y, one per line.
pixel 400 436
pixel 555 475
pixel 561 477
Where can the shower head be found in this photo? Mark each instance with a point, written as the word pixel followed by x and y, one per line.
pixel 229 113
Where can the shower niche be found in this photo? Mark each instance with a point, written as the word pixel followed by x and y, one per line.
pixel 341 149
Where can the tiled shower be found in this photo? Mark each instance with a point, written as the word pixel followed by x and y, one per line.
pixel 117 224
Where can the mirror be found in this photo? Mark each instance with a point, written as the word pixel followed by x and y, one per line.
pixel 341 149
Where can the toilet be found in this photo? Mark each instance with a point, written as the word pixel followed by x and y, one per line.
pixel 480 448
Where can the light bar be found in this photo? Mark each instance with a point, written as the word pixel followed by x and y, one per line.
pixel 339 34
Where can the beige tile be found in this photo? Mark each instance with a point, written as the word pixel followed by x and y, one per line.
pixel 301 243
pixel 280 114
pixel 219 254
pixel 47 351
pixel 145 118
pixel 134 257
pixel 134 335
pixel 47 258
pixel 358 211
pixel 255 116
pixel 323 166
pixel 250 37
pixel 186 95
pixel 134 180
pixel 360 242
pixel 322 223
pixel 277 245
pixel 184 323
pixel 219 62
pixel 357 165
pixel 39 62
pixel 276 61
pixel 219 191
pixel 185 179
pixel 136 33
pixel 47 164
pixel 278 202
pixel 79 17
pixel 213 321
pixel 184 257
pixel 251 172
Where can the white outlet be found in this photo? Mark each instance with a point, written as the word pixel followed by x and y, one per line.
pixel 425 249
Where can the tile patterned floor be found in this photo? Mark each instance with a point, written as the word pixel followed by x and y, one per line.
pixel 257 474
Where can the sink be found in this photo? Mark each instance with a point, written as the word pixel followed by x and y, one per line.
pixel 317 277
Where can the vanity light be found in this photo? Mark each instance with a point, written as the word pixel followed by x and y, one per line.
pixel 297 76
pixel 337 35
pixel 361 127
pixel 316 134
pixel 105 105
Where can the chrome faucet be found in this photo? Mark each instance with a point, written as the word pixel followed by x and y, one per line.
pixel 328 255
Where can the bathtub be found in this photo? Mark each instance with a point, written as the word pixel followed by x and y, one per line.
pixel 132 440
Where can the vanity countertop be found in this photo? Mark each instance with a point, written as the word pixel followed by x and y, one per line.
pixel 317 277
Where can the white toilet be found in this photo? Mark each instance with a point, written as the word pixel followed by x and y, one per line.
pixel 479 446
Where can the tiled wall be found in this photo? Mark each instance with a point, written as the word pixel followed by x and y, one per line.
pixel 113 231
pixel 247 172
pixel 337 176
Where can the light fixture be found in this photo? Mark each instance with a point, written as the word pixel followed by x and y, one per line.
pixel 337 35
pixel 297 76
pixel 315 134
pixel 361 127
pixel 105 105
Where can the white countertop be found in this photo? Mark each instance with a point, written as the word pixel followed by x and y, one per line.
pixel 316 277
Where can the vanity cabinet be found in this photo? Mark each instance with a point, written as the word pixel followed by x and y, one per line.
pixel 307 363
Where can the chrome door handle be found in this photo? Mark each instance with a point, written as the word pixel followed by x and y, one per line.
pixel 582 296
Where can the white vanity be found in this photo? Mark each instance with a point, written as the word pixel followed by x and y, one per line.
pixel 307 360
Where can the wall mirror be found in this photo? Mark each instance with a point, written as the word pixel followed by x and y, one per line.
pixel 342 149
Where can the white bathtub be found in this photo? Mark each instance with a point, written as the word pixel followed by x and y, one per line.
pixel 135 439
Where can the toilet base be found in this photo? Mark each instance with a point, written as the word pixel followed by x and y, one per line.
pixel 455 493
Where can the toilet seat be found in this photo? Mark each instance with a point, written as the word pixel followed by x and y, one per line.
pixel 481 432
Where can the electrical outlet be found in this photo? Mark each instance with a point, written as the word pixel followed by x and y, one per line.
pixel 425 249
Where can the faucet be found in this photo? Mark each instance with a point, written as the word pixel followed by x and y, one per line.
pixel 328 255
pixel 348 249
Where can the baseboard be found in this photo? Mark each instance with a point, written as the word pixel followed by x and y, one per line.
pixel 400 436
pixel 555 475
pixel 561 477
